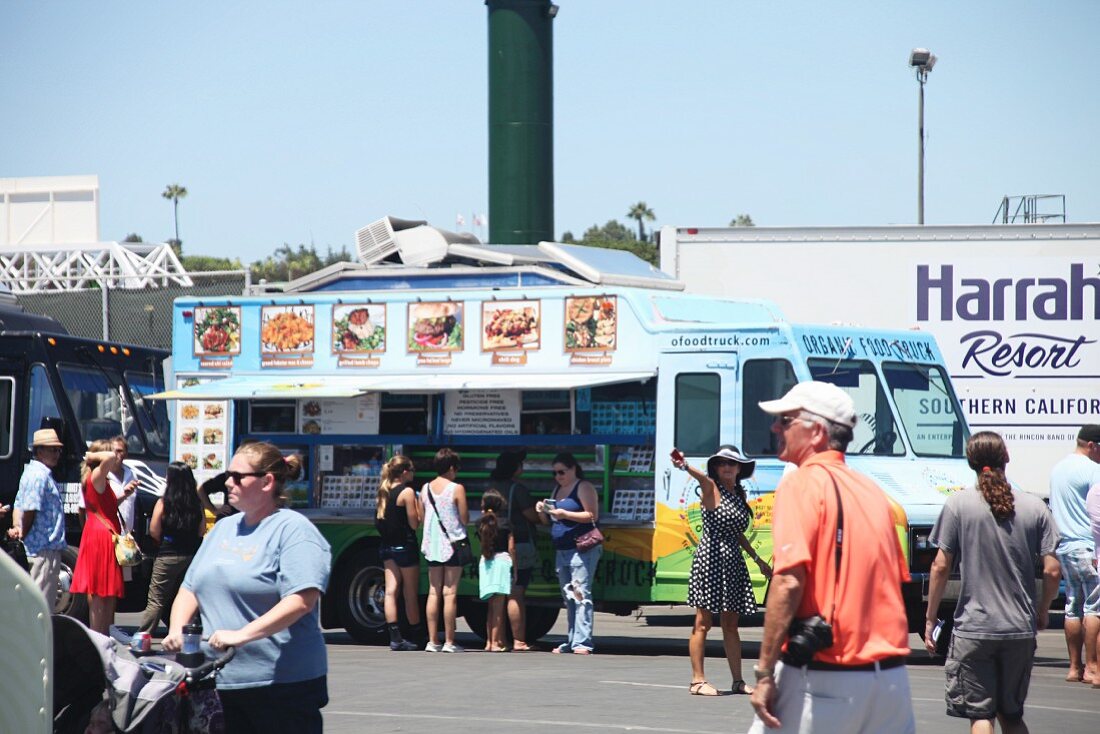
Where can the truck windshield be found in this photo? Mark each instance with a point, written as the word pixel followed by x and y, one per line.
pixel 875 433
pixel 152 414
pixel 99 404
pixel 927 408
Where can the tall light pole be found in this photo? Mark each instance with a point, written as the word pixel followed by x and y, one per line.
pixel 922 60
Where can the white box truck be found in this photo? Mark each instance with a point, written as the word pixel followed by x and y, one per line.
pixel 1015 309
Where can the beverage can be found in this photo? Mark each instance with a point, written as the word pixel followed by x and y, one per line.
pixel 141 642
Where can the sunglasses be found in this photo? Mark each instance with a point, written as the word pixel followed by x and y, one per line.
pixel 725 462
pixel 787 420
pixel 560 472
pixel 237 476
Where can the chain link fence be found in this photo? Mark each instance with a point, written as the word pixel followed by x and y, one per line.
pixel 132 316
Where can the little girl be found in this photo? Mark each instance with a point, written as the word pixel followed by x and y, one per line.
pixel 495 566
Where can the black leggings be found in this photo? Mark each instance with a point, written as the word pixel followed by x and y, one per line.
pixel 294 708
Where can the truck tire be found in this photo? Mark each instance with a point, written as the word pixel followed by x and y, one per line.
pixel 72 605
pixel 360 592
pixel 539 620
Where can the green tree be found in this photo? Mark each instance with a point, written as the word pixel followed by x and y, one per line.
pixel 207 263
pixel 288 263
pixel 742 220
pixel 641 213
pixel 133 237
pixel 617 236
pixel 175 192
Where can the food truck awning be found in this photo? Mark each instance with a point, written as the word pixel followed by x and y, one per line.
pixel 243 387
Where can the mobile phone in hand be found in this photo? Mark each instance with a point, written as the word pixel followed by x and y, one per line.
pixel 677 455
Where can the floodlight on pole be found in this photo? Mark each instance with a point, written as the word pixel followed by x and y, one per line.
pixel 922 60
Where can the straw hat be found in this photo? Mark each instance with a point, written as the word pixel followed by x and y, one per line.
pixel 46 437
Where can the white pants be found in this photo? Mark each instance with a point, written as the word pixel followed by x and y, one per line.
pixel 46 572
pixel 857 702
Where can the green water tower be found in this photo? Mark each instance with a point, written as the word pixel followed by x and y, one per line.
pixel 521 121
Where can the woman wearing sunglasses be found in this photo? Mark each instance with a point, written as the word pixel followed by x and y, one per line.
pixel 573 508
pixel 719 581
pixel 258 577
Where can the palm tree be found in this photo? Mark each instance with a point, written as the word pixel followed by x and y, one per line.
pixel 641 212
pixel 175 192
pixel 742 220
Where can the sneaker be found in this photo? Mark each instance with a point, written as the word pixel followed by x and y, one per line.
pixel 403 646
pixel 451 647
pixel 433 647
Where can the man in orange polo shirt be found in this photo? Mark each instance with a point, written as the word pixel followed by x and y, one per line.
pixel 838 571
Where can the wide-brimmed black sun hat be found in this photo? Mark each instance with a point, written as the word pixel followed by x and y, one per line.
pixel 729 452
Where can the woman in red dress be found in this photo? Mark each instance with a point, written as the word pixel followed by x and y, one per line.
pixel 97 573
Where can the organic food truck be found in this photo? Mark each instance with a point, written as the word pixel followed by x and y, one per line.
pixel 432 341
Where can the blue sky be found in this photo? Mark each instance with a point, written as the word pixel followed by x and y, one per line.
pixel 300 122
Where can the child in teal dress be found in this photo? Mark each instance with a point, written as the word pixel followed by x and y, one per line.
pixel 495 566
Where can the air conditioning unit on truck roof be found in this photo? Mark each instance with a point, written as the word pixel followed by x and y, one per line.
pixel 412 242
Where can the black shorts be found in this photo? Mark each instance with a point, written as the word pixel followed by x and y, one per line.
pixel 403 555
pixel 523 577
pixel 451 562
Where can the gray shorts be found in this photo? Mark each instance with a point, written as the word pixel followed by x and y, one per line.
pixel 988 677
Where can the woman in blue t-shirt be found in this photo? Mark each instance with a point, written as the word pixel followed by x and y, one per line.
pixel 258 577
pixel 575 511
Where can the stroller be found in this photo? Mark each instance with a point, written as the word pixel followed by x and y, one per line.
pixel 101 686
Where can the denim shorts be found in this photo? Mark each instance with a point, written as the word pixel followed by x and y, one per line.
pixel 403 555
pixel 1082 584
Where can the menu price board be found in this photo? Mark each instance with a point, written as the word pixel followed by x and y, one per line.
pixel 324 416
pixel 202 427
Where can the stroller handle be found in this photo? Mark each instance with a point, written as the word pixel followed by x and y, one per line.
pixel 196 674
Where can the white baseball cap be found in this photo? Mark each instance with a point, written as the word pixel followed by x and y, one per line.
pixel 823 399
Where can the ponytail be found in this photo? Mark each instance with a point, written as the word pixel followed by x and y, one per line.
pixel 987 456
pixel 492 505
pixel 392 472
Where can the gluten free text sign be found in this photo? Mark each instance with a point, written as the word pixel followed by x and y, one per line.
pixel 482 412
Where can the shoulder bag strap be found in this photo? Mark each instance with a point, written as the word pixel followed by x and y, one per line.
pixel 103 520
pixel 438 519
pixel 838 539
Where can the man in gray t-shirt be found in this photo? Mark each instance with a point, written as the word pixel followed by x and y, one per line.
pixel 993 643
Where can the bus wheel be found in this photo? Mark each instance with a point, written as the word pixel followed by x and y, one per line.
pixel 360 588
pixel 476 614
pixel 73 605
pixel 540 620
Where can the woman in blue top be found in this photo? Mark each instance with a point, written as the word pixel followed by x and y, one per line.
pixel 258 577
pixel 576 510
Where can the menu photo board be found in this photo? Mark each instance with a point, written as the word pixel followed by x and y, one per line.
pixel 287 336
pixel 511 329
pixel 436 329
pixel 360 415
pixel 216 337
pixel 591 328
pixel 201 433
pixel 358 334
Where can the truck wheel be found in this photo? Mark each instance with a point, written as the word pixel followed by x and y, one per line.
pixel 360 596
pixel 73 605
pixel 539 620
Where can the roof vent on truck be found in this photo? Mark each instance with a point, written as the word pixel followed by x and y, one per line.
pixel 408 241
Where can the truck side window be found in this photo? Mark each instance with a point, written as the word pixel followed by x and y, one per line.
pixel 762 379
pixel 42 403
pixel 272 416
pixel 7 416
pixel 698 413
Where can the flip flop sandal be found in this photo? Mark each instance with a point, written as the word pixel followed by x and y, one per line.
pixel 740 688
pixel 702 688
pixel 521 647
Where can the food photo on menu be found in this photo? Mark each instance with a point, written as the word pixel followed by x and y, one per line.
pixel 190 458
pixel 510 325
pixel 591 323
pixel 217 330
pixel 189 435
pixel 189 411
pixel 286 329
pixel 212 436
pixel 358 328
pixel 435 327
pixel 212 411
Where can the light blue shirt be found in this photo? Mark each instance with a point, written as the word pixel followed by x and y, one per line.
pixel 39 493
pixel 1070 481
pixel 241 572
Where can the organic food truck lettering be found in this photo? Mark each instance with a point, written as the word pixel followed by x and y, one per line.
pixel 548 348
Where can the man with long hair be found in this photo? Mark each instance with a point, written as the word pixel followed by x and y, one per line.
pixel 996 536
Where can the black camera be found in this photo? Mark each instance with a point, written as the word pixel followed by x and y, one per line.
pixel 805 637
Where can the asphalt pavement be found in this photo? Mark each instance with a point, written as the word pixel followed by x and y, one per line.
pixel 636 681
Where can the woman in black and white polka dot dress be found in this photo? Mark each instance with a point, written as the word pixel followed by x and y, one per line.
pixel 719 581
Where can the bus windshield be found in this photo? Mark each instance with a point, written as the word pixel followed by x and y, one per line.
pixel 152 414
pixel 928 408
pixel 875 433
pixel 101 406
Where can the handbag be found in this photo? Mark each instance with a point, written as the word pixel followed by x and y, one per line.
pixel 461 552
pixel 590 539
pixel 18 552
pixel 127 552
